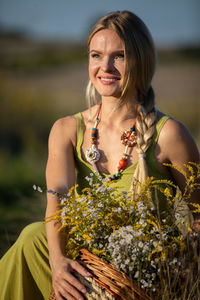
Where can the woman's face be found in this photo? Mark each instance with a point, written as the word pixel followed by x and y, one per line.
pixel 107 63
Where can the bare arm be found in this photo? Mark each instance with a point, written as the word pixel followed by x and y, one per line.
pixel 60 176
pixel 180 149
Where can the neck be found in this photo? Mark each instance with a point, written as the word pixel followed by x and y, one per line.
pixel 112 112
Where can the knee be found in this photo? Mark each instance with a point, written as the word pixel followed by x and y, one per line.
pixel 32 234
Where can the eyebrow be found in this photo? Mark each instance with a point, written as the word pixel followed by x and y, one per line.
pixel 115 52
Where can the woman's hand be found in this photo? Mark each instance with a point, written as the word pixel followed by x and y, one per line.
pixel 196 225
pixel 65 285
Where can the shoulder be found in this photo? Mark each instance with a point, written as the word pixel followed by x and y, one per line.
pixel 174 131
pixel 177 142
pixel 64 130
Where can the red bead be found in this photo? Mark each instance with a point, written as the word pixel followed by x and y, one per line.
pixel 122 164
pixel 128 138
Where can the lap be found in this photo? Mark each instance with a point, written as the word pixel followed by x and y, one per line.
pixel 33 233
pixel 26 266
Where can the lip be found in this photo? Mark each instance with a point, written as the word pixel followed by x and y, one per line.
pixel 108 80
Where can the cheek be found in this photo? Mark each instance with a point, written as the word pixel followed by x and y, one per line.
pixel 120 66
pixel 92 69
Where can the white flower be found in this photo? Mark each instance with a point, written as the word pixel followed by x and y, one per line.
pixel 153 275
pixel 146 248
pixel 101 189
pixel 130 228
pixel 175 260
pixel 143 215
pixel 114 209
pixel 142 222
pixel 129 238
pixel 92 154
pixel 144 270
pixel 155 244
pixel 39 189
pixel 169 229
pixel 153 264
pixel 140 244
pixel 63 200
pixel 136 274
pixel 127 261
pixel 131 268
pixel 144 283
pixel 122 242
pixel 131 209
pixel 177 216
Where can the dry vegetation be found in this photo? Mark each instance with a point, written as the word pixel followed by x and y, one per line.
pixel 40 83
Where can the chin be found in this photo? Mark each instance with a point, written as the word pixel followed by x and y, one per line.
pixel 115 94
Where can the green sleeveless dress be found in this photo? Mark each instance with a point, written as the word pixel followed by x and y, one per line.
pixel 24 270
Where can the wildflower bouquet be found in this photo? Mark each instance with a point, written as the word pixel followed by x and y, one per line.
pixel 130 232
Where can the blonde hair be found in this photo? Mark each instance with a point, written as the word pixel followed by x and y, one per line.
pixel 140 63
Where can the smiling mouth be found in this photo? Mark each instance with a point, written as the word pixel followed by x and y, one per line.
pixel 109 79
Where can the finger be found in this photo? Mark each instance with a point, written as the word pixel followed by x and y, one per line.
pixel 80 269
pixel 58 295
pixel 67 289
pixel 64 295
pixel 74 282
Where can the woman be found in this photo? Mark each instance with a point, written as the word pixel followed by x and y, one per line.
pixel 121 66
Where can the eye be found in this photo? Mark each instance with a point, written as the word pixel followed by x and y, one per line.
pixel 95 55
pixel 119 56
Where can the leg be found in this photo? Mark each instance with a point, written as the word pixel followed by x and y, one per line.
pixel 25 271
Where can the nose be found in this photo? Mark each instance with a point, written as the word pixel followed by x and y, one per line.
pixel 107 64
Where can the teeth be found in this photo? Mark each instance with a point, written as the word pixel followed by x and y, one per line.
pixel 108 79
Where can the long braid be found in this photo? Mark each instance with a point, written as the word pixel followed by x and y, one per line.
pixel 140 63
pixel 145 127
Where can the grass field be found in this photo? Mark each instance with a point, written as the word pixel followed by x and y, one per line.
pixel 32 99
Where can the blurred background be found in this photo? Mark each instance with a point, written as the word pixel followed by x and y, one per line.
pixel 43 75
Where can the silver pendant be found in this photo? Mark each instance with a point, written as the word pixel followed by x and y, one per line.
pixel 92 154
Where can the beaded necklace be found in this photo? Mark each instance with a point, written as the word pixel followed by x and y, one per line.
pixel 128 138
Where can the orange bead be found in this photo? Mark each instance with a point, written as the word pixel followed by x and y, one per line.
pixel 122 164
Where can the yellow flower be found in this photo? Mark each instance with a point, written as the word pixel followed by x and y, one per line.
pixel 191 179
pixel 167 192
pixel 86 237
pixel 98 252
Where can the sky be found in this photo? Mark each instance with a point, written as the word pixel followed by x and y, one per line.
pixel 171 22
